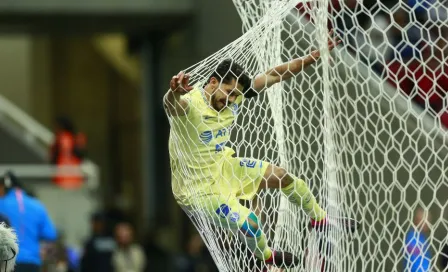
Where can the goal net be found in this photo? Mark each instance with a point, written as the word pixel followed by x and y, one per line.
pixel 365 127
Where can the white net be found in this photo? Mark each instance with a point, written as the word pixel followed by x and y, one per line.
pixel 365 128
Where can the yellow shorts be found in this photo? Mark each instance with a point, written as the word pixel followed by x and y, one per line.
pixel 232 177
pixel 241 176
pixel 218 210
pixel 214 198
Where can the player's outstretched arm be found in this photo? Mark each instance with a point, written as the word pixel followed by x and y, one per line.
pixel 175 105
pixel 289 69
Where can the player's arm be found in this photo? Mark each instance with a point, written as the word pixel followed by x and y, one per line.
pixel 289 69
pixel 283 72
pixel 173 101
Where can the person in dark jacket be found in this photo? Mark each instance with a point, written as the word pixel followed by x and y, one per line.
pixel 99 248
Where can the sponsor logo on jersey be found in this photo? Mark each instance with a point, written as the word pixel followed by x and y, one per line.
pixel 220 147
pixel 206 136
pixel 221 133
pixel 248 163
pixel 234 217
pixel 223 211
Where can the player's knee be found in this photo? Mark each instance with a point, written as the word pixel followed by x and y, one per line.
pixel 282 177
pixel 251 226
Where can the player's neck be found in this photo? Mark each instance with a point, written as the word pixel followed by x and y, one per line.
pixel 208 91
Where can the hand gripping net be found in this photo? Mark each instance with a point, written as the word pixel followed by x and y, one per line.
pixel 364 126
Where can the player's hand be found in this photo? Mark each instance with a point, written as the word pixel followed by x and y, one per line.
pixel 333 41
pixel 180 83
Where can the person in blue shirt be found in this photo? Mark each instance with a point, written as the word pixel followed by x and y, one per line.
pixel 417 248
pixel 30 220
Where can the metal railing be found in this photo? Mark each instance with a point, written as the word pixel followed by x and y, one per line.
pixel 35 134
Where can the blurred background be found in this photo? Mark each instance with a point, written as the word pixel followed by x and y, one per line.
pixel 82 125
pixel 90 75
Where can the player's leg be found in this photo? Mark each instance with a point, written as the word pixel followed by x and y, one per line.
pixel 294 188
pixel 298 193
pixel 252 175
pixel 226 212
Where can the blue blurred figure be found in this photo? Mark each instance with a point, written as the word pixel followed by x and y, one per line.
pixel 417 250
pixel 429 10
pixel 421 6
pixel 74 258
pixel 29 218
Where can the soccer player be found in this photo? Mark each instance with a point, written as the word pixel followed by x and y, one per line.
pixel 207 179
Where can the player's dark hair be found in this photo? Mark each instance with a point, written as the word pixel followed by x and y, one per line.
pixel 229 70
pixel 65 123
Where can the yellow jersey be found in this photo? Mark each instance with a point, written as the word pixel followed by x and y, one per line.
pixel 197 142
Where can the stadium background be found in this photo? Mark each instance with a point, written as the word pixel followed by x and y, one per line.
pixel 105 65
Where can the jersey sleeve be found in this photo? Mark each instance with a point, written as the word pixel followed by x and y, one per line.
pixel 191 99
pixel 187 98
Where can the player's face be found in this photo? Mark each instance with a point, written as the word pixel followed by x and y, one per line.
pixel 224 94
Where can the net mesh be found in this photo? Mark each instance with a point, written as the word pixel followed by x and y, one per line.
pixel 365 127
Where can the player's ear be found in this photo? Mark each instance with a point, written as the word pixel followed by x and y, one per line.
pixel 214 83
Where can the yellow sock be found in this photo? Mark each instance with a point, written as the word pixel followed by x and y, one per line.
pixel 258 246
pixel 299 194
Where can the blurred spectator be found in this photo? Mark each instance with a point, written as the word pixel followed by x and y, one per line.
pixel 97 255
pixel 29 218
pixel 73 258
pixel 406 37
pixel 56 258
pixel 63 262
pixel 61 258
pixel 114 215
pixel 417 252
pixel 68 150
pixel 156 255
pixel 129 256
pixel 196 257
pixel 429 10
pixel 430 78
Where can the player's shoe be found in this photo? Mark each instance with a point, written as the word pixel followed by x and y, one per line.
pixel 282 260
pixel 346 224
